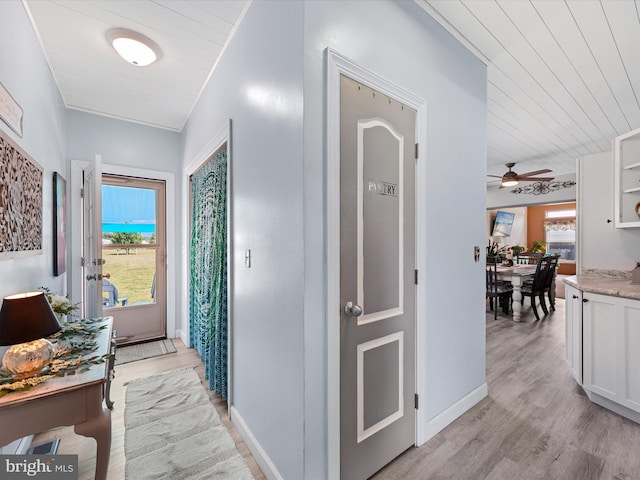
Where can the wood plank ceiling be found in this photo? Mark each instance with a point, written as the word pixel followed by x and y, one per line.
pixel 563 76
pixel 92 77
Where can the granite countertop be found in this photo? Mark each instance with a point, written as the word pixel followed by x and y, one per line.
pixel 605 284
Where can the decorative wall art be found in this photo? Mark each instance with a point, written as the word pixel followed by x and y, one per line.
pixel 10 111
pixel 59 224
pixel 542 188
pixel 20 202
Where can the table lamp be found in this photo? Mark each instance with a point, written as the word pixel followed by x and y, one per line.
pixel 25 318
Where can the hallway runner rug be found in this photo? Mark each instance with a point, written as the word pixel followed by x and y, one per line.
pixel 140 351
pixel 173 431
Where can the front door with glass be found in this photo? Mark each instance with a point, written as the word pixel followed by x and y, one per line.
pixel 133 249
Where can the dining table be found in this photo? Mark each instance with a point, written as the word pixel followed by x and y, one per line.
pixel 516 274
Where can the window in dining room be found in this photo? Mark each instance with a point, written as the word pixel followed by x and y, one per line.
pixel 560 232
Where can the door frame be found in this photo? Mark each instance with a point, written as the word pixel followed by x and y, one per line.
pixel 336 65
pixel 77 167
pixel 216 142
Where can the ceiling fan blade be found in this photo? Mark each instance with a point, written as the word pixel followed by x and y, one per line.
pixel 496 176
pixel 537 172
pixel 534 179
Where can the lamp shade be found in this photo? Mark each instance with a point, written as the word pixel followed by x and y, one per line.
pixel 25 317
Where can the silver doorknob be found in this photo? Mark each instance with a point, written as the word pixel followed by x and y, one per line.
pixel 98 276
pixel 353 310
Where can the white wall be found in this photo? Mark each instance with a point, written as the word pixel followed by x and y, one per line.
pixel 258 84
pixel 396 40
pixel 279 316
pixel 122 143
pixel 600 245
pixel 502 197
pixel 279 323
pixel 25 74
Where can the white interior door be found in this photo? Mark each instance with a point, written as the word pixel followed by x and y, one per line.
pixel 92 239
pixel 377 279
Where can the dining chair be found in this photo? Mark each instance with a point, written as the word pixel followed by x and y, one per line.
pixel 497 292
pixel 528 258
pixel 536 288
pixel 549 283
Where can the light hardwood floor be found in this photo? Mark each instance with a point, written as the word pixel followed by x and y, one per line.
pixel 536 422
pixel 70 443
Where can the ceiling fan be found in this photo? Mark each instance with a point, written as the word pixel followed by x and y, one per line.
pixel 511 178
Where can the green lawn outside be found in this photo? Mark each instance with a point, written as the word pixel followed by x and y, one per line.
pixel 132 273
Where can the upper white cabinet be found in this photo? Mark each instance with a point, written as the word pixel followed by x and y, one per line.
pixel 626 175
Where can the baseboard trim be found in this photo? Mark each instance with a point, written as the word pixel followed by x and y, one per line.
pixel 262 459
pixel 439 422
pixel 181 334
pixel 613 406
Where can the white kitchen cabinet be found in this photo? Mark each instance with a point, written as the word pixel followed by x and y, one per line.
pixel 573 312
pixel 626 175
pixel 611 348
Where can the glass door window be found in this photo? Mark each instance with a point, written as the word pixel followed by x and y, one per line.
pixel 128 245
pixel 133 249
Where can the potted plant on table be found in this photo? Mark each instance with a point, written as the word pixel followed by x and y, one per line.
pixel 495 253
pixel 538 247
pixel 61 305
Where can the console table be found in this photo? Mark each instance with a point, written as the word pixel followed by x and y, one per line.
pixel 63 401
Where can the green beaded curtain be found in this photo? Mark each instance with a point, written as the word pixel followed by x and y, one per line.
pixel 208 269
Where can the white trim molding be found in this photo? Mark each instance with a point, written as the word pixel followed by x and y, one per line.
pixel 259 454
pixel 439 422
pixel 397 310
pixel 435 14
pixel 170 219
pixel 337 65
pixel 216 142
pixel 76 282
pixel 363 433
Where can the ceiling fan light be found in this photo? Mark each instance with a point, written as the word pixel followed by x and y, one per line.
pixel 135 48
pixel 509 183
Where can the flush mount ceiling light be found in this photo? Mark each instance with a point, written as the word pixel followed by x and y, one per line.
pixel 134 47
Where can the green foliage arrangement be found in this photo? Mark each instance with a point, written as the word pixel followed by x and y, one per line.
pixel 538 247
pixel 60 304
pixel 495 250
pixel 73 343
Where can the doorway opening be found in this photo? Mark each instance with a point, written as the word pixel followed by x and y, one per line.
pixel 543 228
pixel 134 257
pixel 209 276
